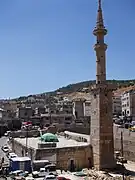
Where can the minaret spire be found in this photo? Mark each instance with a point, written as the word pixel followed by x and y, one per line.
pixel 100 47
pixel 100 23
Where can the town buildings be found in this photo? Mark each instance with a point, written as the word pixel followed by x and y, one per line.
pixel 128 104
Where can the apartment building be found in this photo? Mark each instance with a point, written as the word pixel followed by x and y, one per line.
pixel 128 103
pixel 24 112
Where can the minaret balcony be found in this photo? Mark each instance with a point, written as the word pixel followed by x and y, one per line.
pixel 100 46
pixel 98 31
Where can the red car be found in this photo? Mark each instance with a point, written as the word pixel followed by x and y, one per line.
pixel 62 178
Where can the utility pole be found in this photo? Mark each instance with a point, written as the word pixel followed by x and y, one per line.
pixel 122 154
pixel 26 153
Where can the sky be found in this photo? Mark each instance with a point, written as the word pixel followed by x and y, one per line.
pixel 47 44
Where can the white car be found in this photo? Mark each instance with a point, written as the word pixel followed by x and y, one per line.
pixel 29 178
pixel 5 148
pixel 52 177
pixel 12 155
pixel 7 133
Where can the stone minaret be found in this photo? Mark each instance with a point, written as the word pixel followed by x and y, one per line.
pixel 101 119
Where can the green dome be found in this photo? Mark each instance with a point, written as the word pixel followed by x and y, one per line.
pixel 49 137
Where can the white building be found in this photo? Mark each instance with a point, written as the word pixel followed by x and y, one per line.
pixel 2 113
pixel 116 105
pixel 128 103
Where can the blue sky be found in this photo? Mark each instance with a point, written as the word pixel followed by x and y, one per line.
pixel 47 44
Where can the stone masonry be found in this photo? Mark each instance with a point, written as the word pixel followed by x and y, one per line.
pixel 101 119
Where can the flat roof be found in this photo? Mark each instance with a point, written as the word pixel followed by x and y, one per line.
pixel 63 142
pixel 20 159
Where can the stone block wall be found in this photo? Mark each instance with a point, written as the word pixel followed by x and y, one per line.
pixel 128 148
pixel 79 155
pixel 30 133
pixel 21 150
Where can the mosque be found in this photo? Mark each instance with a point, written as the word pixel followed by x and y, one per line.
pixel 69 149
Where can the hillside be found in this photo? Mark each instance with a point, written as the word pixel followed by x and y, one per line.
pixel 78 87
pixel 86 84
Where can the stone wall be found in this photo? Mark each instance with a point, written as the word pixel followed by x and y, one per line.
pixel 31 133
pixel 46 154
pixel 128 148
pixel 128 142
pixel 21 150
pixel 80 155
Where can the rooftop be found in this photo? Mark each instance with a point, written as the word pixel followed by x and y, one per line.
pixel 63 142
pixel 20 159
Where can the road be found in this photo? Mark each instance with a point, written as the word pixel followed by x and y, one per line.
pixel 3 141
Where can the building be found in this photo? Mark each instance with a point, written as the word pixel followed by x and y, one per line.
pixel 40 110
pixel 2 113
pixel 24 112
pixel 128 104
pixel 66 107
pixel 101 93
pixel 78 107
pixel 64 150
pixel 63 119
pixel 117 105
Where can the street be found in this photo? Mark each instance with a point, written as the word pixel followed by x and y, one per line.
pixel 3 141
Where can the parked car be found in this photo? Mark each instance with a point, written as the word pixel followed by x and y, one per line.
pixel 12 155
pixel 48 169
pixel 62 178
pixel 19 173
pixel 7 133
pixel 52 177
pixel 29 178
pixel 5 148
pixel 132 129
pixel 41 173
pixel 35 174
pixel 16 173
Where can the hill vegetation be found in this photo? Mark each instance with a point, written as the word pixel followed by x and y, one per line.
pixel 86 84
pixel 77 87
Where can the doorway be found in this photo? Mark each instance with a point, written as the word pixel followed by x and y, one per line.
pixel 72 166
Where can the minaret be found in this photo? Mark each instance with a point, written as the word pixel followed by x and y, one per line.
pixel 101 94
pixel 100 47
